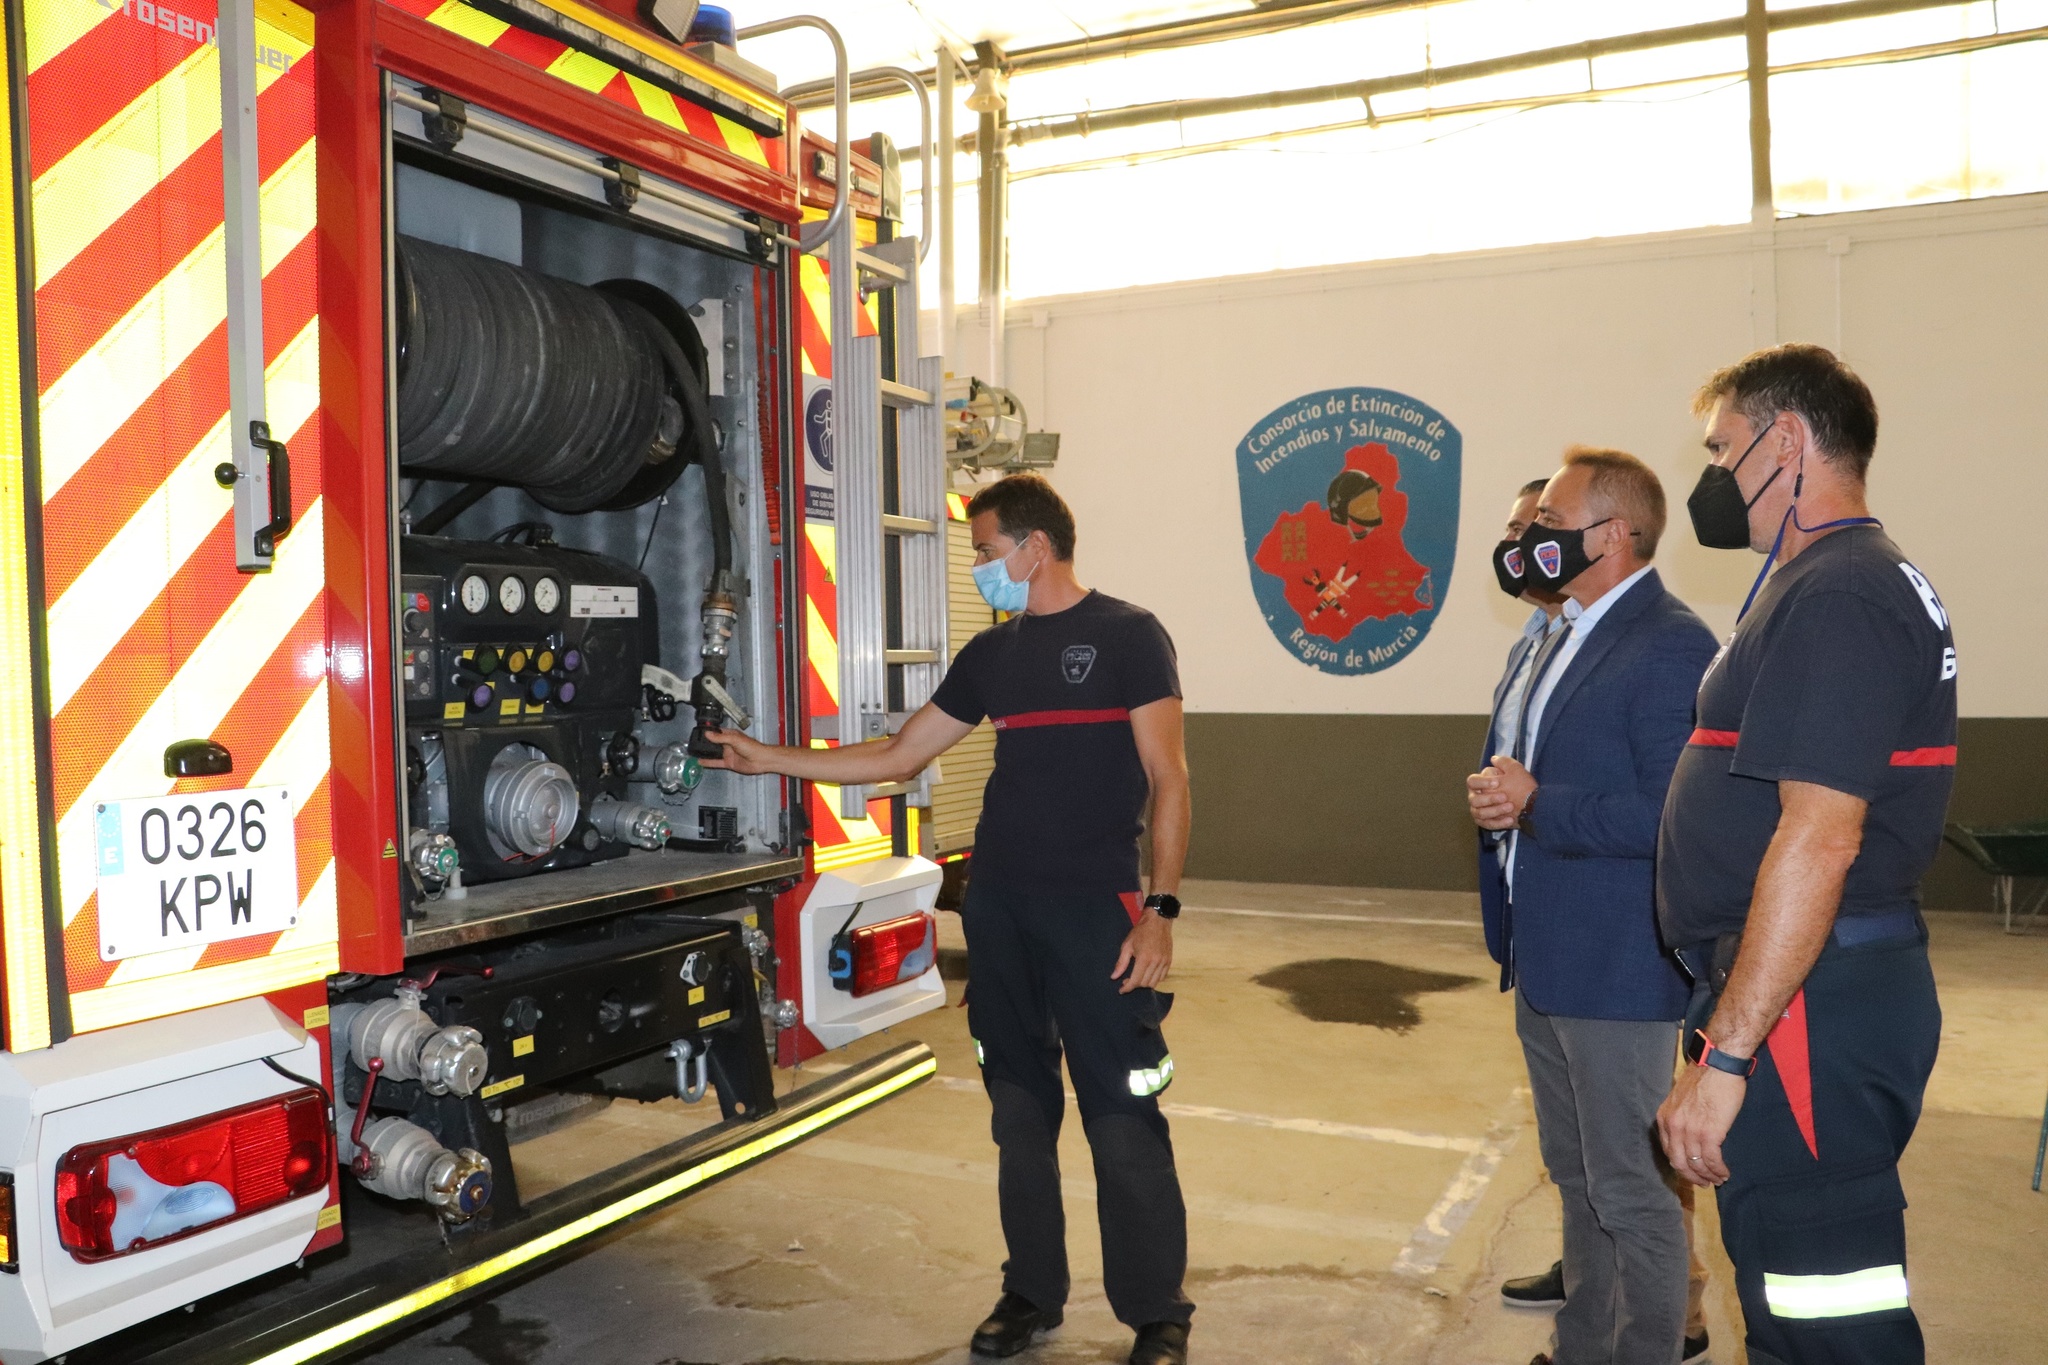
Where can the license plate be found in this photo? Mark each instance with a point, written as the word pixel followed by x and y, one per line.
pixel 184 871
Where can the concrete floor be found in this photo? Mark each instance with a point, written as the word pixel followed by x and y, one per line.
pixel 1357 1189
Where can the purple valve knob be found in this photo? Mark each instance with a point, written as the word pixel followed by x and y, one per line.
pixel 572 659
pixel 479 696
pixel 567 693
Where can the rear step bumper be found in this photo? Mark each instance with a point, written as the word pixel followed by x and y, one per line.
pixel 330 1321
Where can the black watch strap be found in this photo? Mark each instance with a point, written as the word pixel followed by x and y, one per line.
pixel 1711 1056
pixel 1165 905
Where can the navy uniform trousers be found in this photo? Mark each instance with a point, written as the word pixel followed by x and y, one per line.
pixel 1812 1214
pixel 1038 985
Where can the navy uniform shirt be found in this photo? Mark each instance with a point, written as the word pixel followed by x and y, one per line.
pixel 1066 802
pixel 1843 675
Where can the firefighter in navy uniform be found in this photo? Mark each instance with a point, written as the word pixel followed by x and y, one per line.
pixel 1063 955
pixel 1799 822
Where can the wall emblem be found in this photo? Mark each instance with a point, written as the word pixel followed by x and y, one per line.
pixel 1350 504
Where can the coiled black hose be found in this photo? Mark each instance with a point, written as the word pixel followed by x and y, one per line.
pixel 512 376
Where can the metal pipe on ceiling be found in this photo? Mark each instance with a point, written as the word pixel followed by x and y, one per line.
pixel 1173 111
pixel 1887 56
pixel 1276 19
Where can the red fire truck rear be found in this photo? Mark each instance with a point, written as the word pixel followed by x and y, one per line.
pixel 420 422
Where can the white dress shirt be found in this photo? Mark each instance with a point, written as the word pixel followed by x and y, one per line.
pixel 1583 622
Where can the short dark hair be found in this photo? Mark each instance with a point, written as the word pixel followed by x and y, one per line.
pixel 1623 486
pixel 1533 486
pixel 1809 380
pixel 1024 503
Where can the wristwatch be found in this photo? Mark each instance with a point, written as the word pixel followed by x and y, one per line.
pixel 1712 1056
pixel 1164 905
pixel 1528 810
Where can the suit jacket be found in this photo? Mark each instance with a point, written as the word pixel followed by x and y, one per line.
pixel 1584 921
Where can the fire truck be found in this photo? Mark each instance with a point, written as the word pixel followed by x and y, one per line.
pixel 421 422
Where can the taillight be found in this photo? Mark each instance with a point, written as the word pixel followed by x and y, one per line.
pixel 10 1259
pixel 127 1194
pixel 879 956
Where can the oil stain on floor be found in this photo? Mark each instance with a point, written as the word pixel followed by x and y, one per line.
pixel 495 1339
pixel 1358 990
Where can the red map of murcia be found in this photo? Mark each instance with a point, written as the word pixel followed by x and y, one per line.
pixel 1334 581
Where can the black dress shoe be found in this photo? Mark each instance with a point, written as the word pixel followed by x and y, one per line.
pixel 1536 1291
pixel 1695 1352
pixel 1011 1325
pixel 1161 1343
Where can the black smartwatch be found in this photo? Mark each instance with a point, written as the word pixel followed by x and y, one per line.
pixel 1712 1057
pixel 1164 905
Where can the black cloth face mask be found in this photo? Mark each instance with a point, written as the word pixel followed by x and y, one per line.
pixel 1554 556
pixel 1720 514
pixel 1511 567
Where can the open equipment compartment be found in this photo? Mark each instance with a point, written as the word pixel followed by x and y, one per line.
pixel 584 568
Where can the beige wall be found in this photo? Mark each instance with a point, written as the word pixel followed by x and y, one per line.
pixel 1944 310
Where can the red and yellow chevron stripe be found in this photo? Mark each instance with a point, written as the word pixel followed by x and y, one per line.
pixel 586 72
pixel 152 634
pixel 814 294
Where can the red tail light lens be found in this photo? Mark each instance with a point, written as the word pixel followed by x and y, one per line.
pixel 127 1194
pixel 893 951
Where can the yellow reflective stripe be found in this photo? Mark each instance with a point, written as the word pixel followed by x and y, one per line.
pixel 465 22
pixel 682 1182
pixel 110 595
pixel 741 142
pixel 86 193
pixel 1151 1080
pixel 859 850
pixel 54 25
pixel 154 998
pixel 582 70
pixel 89 402
pixel 655 102
pixel 611 27
pixel 1836 1296
pixel 980 1058
pixel 27 998
pixel 224 662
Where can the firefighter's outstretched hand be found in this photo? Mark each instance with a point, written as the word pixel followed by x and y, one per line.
pixel 1147 954
pixel 1694 1120
pixel 743 753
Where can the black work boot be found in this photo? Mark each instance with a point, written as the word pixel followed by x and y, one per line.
pixel 1011 1325
pixel 1161 1343
pixel 1536 1291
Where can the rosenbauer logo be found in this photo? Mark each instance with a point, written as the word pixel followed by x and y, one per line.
pixel 1350 503
pixel 182 25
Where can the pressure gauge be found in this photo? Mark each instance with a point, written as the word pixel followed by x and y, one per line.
pixel 476 594
pixel 547 595
pixel 511 594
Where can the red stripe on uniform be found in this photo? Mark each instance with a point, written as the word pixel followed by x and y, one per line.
pixel 1031 720
pixel 1939 756
pixel 1789 1054
pixel 1132 905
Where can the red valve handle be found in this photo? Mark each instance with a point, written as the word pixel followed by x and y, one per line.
pixel 360 1163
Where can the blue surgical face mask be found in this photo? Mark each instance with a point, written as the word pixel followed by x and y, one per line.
pixel 998 589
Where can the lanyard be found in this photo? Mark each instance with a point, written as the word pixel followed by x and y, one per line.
pixel 1792 519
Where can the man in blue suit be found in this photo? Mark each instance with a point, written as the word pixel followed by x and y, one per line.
pixel 1606 706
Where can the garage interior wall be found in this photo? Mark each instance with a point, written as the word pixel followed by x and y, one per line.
pixel 1306 777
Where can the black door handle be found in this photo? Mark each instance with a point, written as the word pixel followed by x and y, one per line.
pixel 197 758
pixel 280 488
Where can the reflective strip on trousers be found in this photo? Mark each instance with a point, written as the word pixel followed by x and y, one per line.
pixel 980 1059
pixel 1836 1296
pixel 1152 1079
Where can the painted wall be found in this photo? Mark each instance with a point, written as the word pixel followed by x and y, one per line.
pixel 1356 780
pixel 1943 310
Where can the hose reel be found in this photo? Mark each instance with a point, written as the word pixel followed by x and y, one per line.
pixel 587 397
